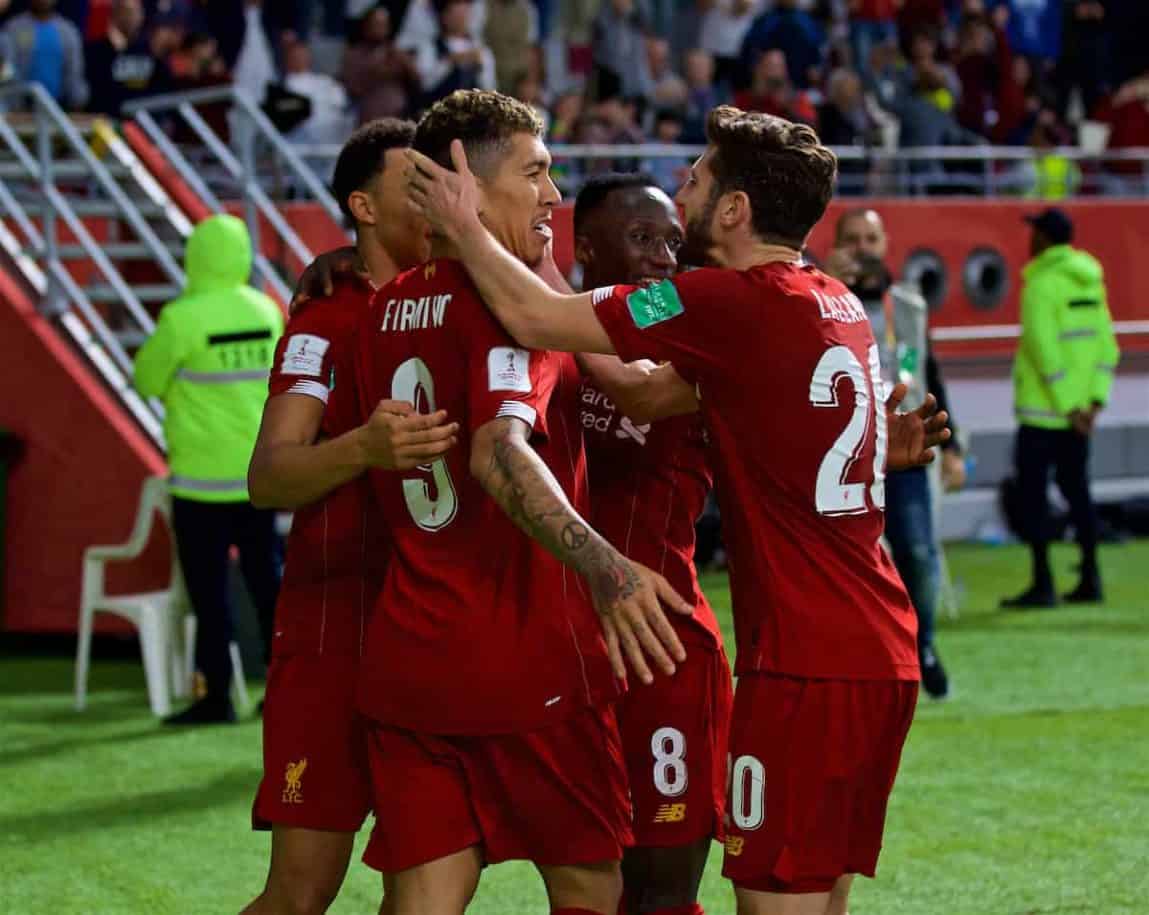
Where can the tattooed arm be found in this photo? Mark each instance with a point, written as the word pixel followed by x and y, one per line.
pixel 626 594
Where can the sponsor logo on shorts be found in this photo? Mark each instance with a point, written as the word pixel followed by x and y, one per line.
pixel 734 845
pixel 670 813
pixel 293 782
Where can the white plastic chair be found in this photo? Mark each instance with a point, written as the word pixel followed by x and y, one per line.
pixel 155 614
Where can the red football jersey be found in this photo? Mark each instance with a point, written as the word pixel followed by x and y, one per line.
pixel 337 549
pixel 787 373
pixel 478 629
pixel 649 484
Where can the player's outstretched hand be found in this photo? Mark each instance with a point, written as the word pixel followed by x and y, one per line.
pixel 913 435
pixel 319 278
pixel 448 200
pixel 629 598
pixel 395 437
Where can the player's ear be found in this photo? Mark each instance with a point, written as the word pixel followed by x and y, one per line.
pixel 734 210
pixel 583 251
pixel 361 208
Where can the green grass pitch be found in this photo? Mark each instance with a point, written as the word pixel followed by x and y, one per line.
pixel 1027 792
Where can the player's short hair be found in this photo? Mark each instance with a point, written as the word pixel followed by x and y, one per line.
pixel 364 155
pixel 598 187
pixel 485 121
pixel 781 166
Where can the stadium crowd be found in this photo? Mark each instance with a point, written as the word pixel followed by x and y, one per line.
pixel 910 73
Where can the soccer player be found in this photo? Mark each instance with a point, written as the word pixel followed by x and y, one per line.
pixel 486 674
pixel 786 368
pixel 315 789
pixel 649 485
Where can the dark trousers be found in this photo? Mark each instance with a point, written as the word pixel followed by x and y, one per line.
pixel 205 533
pixel 1066 454
pixel 910 533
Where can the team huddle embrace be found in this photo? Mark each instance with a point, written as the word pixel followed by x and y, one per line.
pixel 491 633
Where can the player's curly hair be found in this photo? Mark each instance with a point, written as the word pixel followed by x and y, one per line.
pixel 364 155
pixel 485 121
pixel 781 166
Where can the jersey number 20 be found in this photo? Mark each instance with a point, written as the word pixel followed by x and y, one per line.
pixel 832 494
pixel 411 380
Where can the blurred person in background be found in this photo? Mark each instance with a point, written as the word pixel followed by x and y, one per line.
pixel 795 33
pixel 984 62
pixel 619 52
pixel 772 92
pixel 844 120
pixel 723 29
pixel 511 32
pixel 871 22
pixel 208 361
pixel 454 59
pixel 667 171
pixel 701 94
pixel 666 89
pixel 122 65
pixel 48 49
pixel 329 121
pixel 1049 175
pixel 898 315
pixel 1062 375
pixel 380 78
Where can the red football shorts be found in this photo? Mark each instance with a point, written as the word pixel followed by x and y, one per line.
pixel 556 796
pixel 674 733
pixel 812 765
pixel 315 769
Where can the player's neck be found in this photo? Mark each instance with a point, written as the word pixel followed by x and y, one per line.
pixel 755 254
pixel 440 247
pixel 380 264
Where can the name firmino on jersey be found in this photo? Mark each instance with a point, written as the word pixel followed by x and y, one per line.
pixel 401 315
pixel 844 308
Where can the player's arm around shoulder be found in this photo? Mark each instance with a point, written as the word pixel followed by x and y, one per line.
pixel 626 594
pixel 643 391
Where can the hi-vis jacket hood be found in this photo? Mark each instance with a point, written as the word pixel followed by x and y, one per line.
pixel 218 255
pixel 208 361
pixel 1068 352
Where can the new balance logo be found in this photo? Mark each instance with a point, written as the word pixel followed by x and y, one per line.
pixel 670 813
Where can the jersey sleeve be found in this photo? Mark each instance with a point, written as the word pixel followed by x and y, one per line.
pixel 690 320
pixel 504 379
pixel 304 356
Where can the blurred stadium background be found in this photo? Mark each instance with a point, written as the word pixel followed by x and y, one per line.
pixel 953 119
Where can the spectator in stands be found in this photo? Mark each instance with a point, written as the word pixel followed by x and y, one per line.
pixel 928 75
pixel 198 64
pixel 620 62
pixel 122 66
pixel 1034 27
pixel 329 122
pixel 667 89
pixel 418 21
pixel 511 32
pixel 983 64
pixel 1018 103
pixel 47 49
pixel 898 315
pixel 1127 115
pixel 454 59
pixel 918 16
pixel 529 89
pixel 380 78
pixel 871 22
pixel 723 29
pixel 792 31
pixel 772 92
pixel 1062 375
pixel 669 172
pixel 843 120
pixel 1086 59
pixel 1048 175
pixel 255 67
pixel 701 94
pixel 208 361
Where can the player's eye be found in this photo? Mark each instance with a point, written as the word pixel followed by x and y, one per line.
pixel 641 239
pixel 674 244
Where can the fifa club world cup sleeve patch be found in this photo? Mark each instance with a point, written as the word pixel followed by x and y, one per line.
pixel 304 354
pixel 654 304
pixel 509 369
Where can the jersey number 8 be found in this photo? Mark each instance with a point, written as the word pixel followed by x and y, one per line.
pixel 412 382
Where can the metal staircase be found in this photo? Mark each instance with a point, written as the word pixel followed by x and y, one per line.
pixel 97 239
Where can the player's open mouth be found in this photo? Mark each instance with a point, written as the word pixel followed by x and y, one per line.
pixel 542 227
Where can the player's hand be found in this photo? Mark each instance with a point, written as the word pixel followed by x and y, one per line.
pixel 319 278
pixel 953 471
pixel 913 436
pixel 629 599
pixel 395 437
pixel 448 200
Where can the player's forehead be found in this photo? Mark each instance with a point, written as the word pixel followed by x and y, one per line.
pixel 863 224
pixel 527 152
pixel 392 168
pixel 628 207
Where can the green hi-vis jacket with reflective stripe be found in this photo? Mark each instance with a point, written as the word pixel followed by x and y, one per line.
pixel 208 361
pixel 1068 352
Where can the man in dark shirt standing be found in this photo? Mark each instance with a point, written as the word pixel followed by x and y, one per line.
pixel 121 65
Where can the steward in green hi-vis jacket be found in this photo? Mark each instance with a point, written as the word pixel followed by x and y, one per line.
pixel 1062 376
pixel 208 361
